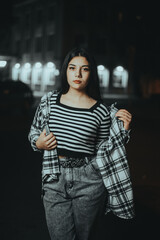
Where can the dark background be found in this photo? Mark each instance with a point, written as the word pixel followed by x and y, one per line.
pixel 22 214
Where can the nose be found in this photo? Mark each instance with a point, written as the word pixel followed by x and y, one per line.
pixel 78 73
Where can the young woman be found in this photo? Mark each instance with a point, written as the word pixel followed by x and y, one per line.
pixel 69 127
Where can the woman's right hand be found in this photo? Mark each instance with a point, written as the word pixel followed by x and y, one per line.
pixel 48 142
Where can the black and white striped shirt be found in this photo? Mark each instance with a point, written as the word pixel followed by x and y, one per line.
pixel 78 130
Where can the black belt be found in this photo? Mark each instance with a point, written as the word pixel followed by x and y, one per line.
pixel 79 162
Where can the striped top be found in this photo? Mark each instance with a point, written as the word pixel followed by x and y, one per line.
pixel 78 131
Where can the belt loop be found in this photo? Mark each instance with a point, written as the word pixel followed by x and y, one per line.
pixel 87 160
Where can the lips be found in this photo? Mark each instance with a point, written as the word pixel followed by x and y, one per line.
pixel 77 81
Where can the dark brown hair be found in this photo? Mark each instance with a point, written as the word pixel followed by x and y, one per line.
pixel 93 89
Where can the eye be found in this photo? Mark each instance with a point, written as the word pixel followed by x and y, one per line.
pixel 71 67
pixel 86 69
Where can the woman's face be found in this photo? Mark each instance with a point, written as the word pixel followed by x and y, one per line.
pixel 78 73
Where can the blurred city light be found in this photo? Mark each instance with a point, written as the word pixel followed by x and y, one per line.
pixel 103 74
pixel 100 68
pixel 38 65
pixel 50 65
pixel 27 65
pixel 16 72
pixel 25 74
pixel 3 63
pixel 120 77
pixel 36 74
pixel 17 65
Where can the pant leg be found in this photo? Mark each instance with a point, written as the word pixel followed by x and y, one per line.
pixel 58 210
pixel 89 200
pixel 73 202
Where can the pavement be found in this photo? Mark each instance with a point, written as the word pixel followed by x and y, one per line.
pixel 21 210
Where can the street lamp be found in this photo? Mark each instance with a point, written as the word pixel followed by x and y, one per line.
pixel 3 64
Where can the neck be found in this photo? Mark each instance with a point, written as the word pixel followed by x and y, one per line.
pixel 75 93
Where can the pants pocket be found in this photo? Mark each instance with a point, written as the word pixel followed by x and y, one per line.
pixel 92 169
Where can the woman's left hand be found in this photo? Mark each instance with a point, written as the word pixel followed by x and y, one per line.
pixel 125 116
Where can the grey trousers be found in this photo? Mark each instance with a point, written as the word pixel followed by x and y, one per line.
pixel 73 202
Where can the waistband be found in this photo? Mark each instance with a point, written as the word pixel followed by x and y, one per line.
pixel 71 162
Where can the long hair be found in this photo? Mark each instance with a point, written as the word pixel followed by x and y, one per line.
pixel 92 89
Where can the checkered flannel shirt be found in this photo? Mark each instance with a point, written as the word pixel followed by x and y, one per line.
pixel 114 168
pixel 111 159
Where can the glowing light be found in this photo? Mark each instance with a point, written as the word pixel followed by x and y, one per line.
pixel 17 65
pixel 120 77
pixel 3 63
pixel 56 72
pixel 103 74
pixel 38 65
pixel 27 65
pixel 119 69
pixel 16 72
pixel 50 65
pixel 101 68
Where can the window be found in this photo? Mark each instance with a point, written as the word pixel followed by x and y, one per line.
pixel 38 44
pixel 120 77
pixel 51 13
pixel 18 47
pixel 51 42
pixel 27 20
pixel 27 45
pixel 39 16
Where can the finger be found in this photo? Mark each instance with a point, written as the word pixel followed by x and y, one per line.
pixel 52 143
pixel 49 136
pixel 50 140
pixel 125 114
pixel 52 146
pixel 124 111
pixel 125 120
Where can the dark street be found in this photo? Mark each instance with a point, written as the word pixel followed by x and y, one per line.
pixel 35 36
pixel 22 214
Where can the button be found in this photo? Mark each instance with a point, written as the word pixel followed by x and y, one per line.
pixel 70 185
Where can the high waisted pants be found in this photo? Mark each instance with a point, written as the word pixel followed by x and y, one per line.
pixel 73 202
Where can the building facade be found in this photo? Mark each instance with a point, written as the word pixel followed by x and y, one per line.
pixel 44 31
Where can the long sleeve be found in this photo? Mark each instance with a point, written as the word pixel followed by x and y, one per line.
pixel 36 128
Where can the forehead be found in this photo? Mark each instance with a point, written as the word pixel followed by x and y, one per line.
pixel 79 61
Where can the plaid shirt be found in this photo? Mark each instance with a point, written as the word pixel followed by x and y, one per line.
pixel 114 168
pixel 111 159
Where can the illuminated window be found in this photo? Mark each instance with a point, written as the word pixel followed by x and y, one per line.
pixel 25 74
pixel 16 71
pixel 103 74
pixel 120 77
pixel 49 75
pixel 36 73
pixel 3 64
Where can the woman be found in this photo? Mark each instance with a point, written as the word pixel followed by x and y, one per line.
pixel 69 127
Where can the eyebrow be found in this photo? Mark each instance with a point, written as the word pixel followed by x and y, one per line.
pixel 81 66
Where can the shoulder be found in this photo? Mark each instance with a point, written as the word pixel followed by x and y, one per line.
pixel 48 95
pixel 104 107
pixel 108 110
